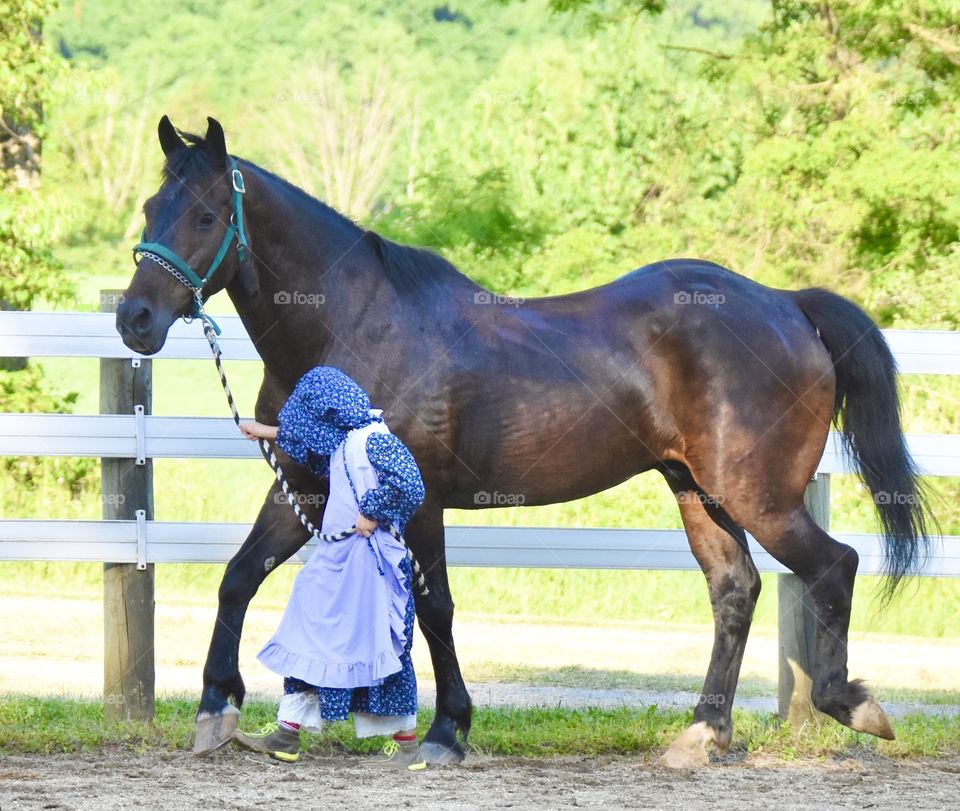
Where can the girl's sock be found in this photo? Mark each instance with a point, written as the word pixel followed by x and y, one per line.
pixel 290 725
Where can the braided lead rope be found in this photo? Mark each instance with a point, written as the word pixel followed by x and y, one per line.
pixel 268 454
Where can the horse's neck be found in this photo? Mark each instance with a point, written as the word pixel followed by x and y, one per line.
pixel 305 290
pixel 297 239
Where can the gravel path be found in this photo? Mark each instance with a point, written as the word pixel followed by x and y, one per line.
pixel 527 695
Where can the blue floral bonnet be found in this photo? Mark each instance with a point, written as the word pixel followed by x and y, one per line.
pixel 325 406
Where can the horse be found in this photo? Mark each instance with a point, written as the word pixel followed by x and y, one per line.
pixel 724 386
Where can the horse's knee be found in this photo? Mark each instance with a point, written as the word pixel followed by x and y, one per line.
pixel 435 608
pixel 240 582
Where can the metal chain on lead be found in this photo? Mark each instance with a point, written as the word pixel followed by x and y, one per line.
pixel 170 269
pixel 291 496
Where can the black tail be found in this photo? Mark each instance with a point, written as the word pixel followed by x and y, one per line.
pixel 867 411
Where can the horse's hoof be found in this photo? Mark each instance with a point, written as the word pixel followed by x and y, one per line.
pixel 215 730
pixel 437 754
pixel 870 718
pixel 689 751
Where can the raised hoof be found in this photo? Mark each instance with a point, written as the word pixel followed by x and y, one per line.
pixel 689 751
pixel 870 718
pixel 214 730
pixel 437 754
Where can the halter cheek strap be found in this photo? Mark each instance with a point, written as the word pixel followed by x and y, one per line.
pixel 180 269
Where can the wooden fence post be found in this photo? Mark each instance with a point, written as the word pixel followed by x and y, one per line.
pixel 128 588
pixel 797 622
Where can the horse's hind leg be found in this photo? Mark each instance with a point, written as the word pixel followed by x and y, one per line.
pixel 275 536
pixel 435 614
pixel 720 547
pixel 828 569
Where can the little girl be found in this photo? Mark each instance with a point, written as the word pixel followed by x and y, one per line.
pixel 343 644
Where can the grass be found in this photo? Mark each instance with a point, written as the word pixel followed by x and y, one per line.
pixel 38 725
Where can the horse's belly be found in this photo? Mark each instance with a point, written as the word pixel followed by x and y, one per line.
pixel 555 469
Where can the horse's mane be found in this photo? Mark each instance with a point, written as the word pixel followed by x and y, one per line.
pixel 410 270
pixel 418 271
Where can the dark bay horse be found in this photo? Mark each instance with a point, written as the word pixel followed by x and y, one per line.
pixel 724 386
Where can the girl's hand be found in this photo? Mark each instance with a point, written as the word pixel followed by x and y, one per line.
pixel 257 430
pixel 365 526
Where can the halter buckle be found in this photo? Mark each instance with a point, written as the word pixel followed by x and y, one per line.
pixel 237 180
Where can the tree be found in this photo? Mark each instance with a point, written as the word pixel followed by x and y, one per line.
pixel 335 139
pixel 28 268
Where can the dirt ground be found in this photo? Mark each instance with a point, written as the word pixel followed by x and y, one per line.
pixel 63 655
pixel 236 780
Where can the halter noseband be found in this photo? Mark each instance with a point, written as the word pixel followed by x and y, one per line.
pixel 180 269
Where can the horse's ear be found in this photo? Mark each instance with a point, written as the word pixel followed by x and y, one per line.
pixel 215 143
pixel 170 142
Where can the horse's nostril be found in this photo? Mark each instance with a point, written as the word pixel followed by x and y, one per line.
pixel 140 320
pixel 134 318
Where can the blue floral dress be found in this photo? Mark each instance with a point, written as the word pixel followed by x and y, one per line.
pixel 343 644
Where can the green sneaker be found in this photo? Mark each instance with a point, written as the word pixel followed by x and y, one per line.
pixel 274 740
pixel 399 755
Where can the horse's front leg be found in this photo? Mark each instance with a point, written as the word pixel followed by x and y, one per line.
pixel 276 535
pixel 435 614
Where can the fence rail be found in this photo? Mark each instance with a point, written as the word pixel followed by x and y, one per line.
pixel 93 335
pixel 114 436
pixel 521 547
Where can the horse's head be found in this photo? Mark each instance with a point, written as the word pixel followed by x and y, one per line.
pixel 194 238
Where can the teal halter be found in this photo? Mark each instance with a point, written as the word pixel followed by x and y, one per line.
pixel 180 269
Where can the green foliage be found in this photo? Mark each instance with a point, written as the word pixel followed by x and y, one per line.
pixel 850 128
pixel 28 72
pixel 545 148
pixel 28 268
pixel 43 481
pixel 816 150
pixel 26 65
pixel 21 391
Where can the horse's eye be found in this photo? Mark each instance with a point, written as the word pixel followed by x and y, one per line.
pixel 207 219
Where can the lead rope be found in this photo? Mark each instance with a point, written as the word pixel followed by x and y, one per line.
pixel 210 334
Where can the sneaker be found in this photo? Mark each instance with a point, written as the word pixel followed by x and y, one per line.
pixel 399 755
pixel 278 741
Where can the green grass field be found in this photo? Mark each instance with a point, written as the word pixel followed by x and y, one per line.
pixel 68 725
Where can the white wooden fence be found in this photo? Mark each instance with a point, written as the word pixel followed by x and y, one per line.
pixel 92 335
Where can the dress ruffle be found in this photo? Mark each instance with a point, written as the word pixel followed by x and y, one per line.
pixel 355 674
